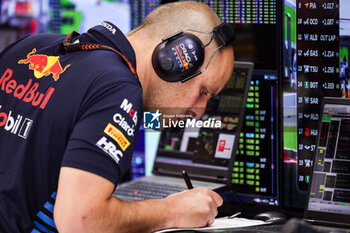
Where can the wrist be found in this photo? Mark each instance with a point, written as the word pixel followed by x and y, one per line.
pixel 168 213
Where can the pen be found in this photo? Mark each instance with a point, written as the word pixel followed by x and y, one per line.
pixel 235 215
pixel 187 179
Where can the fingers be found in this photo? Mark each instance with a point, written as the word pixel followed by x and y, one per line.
pixel 214 200
pixel 212 215
pixel 213 208
pixel 216 197
pixel 200 204
pixel 211 221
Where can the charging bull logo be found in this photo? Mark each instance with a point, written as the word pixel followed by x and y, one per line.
pixel 185 58
pixel 44 65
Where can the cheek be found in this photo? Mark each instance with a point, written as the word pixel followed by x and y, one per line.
pixel 185 96
pixel 172 99
pixel 193 97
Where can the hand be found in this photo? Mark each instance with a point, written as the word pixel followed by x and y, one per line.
pixel 193 208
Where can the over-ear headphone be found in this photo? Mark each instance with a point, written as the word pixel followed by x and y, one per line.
pixel 180 56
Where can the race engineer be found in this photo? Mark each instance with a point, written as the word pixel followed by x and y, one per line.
pixel 70 110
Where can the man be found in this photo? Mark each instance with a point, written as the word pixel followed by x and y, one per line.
pixel 69 123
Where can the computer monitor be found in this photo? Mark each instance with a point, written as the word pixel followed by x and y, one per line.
pixel 316 42
pixel 329 192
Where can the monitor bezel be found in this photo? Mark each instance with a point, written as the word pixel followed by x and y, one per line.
pixel 311 215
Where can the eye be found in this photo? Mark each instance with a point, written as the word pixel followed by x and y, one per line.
pixel 204 92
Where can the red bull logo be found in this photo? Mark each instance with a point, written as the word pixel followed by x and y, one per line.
pixel 28 93
pixel 44 65
pixel 182 57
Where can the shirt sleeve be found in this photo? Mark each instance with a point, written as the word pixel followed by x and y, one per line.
pixel 105 134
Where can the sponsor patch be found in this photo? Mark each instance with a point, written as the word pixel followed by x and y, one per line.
pixel 109 27
pixel 127 107
pixel 120 120
pixel 117 136
pixel 15 124
pixel 44 65
pixel 109 148
pixel 26 92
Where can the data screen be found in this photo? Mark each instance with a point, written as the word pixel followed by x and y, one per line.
pixel 315 65
pixel 256 27
pixel 330 187
pixel 140 9
pixel 245 11
pixel 317 70
pixel 255 171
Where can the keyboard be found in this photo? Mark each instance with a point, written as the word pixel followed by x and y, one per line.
pixel 142 190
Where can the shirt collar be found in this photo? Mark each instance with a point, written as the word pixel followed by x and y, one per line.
pixel 116 38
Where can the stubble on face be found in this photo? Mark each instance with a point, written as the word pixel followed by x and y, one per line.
pixel 167 98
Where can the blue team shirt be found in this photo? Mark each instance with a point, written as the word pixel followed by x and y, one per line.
pixel 80 110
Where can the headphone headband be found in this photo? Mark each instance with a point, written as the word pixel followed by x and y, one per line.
pixel 225 33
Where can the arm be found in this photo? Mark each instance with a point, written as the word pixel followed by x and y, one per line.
pixel 84 204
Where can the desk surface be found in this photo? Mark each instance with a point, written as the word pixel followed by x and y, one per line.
pixel 276 228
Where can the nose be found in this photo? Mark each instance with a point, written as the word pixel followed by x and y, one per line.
pixel 198 108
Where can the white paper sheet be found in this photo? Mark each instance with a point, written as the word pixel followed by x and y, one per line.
pixel 223 223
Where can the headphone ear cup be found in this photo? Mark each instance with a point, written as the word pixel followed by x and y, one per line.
pixel 166 64
pixel 162 61
pixel 179 57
